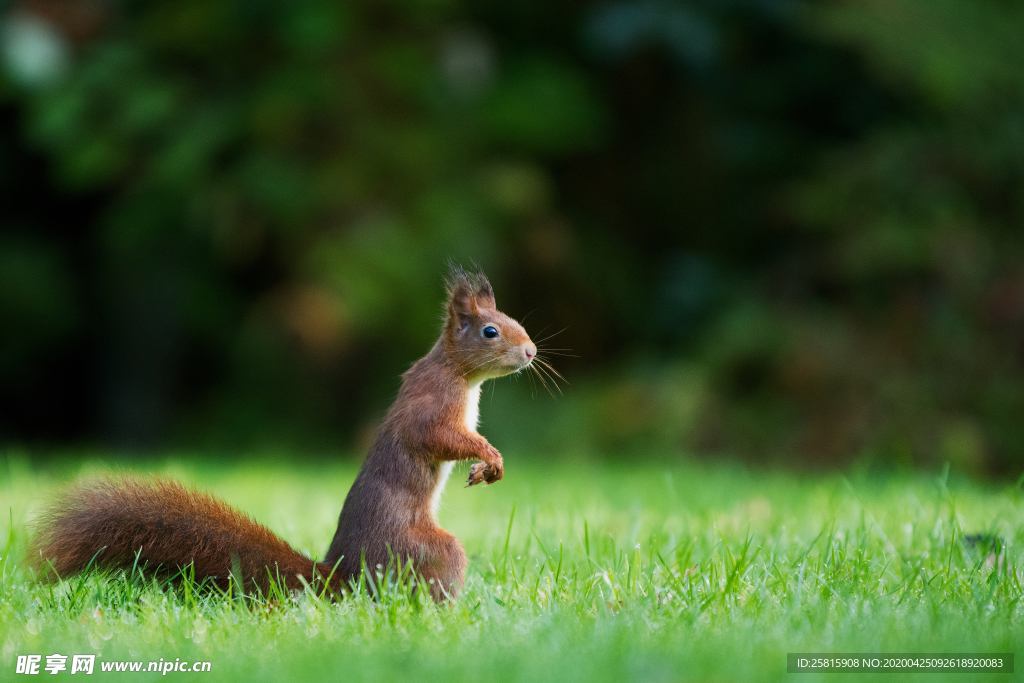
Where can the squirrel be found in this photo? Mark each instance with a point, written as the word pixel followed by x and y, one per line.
pixel 390 511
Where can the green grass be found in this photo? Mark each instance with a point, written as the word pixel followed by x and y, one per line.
pixel 639 571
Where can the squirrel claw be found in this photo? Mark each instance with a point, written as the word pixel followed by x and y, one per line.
pixel 484 473
pixel 476 474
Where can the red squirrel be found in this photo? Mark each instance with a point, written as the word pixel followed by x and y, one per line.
pixel 390 511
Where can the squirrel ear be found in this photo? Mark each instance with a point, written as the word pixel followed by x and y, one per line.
pixel 462 308
pixel 484 293
pixel 467 294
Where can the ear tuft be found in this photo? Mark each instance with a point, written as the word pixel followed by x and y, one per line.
pixel 457 279
pixel 482 288
pixel 467 293
pixel 461 307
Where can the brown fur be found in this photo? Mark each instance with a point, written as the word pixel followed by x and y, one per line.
pixel 387 514
pixel 388 506
pixel 168 525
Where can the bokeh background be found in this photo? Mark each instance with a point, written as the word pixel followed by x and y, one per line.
pixel 787 231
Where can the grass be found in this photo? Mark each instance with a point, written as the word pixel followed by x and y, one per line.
pixel 619 571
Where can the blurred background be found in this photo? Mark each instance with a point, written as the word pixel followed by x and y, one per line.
pixel 786 231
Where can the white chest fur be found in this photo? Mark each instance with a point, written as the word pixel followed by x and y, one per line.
pixel 471 418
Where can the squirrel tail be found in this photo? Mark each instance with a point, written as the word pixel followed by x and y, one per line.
pixel 158 524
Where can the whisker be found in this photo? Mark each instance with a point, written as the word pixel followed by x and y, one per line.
pixel 551 335
pixel 548 366
pixel 541 369
pixel 547 386
pixel 484 362
pixel 544 367
pixel 541 378
pixel 554 381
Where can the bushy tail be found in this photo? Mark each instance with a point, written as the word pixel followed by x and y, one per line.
pixel 160 524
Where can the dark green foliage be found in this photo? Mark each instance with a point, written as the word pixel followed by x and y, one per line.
pixel 772 227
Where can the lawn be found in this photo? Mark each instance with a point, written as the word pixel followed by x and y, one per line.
pixel 626 570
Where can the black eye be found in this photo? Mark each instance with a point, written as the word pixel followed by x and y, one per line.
pixel 490 332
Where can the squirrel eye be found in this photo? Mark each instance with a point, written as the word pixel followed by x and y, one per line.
pixel 490 332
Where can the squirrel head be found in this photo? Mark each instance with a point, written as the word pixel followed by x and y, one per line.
pixel 481 340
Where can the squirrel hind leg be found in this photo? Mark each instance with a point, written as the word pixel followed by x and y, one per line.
pixel 442 562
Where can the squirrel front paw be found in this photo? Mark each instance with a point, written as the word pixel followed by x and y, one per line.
pixel 488 473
